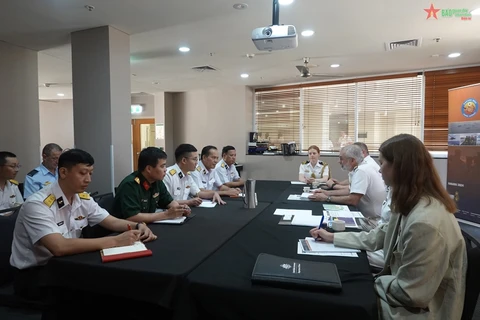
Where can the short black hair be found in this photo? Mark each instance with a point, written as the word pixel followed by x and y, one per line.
pixel 182 150
pixel 362 146
pixel 49 148
pixel 206 151
pixel 72 157
pixel 149 157
pixel 4 155
pixel 226 149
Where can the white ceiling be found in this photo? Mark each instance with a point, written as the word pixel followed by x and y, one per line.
pixel 351 33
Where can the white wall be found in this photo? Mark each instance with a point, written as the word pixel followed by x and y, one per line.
pixel 56 123
pixel 19 112
pixel 217 116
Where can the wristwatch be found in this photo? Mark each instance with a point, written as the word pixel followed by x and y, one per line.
pixel 329 199
pixel 138 225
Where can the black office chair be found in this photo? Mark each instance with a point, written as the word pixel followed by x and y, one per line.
pixel 7 225
pixel 472 289
pixel 106 202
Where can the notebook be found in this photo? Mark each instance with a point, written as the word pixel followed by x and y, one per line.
pixel 179 220
pixel 136 250
pixel 283 272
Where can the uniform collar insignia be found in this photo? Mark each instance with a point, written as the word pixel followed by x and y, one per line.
pixel 146 185
pixel 180 175
pixel 60 203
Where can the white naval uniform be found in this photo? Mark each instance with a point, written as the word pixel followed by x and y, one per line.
pixel 204 178
pixel 371 161
pixel 10 196
pixel 365 180
pixel 320 170
pixel 226 173
pixel 180 185
pixel 46 212
pixel 376 258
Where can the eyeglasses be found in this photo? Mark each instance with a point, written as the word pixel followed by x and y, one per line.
pixel 13 166
pixel 194 159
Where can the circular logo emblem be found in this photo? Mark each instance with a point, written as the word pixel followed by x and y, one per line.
pixel 469 108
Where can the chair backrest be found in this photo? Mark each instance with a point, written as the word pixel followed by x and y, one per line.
pixel 472 289
pixel 106 202
pixel 7 225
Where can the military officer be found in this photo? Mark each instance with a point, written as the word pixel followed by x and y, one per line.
pixel 142 193
pixel 205 177
pixel 46 173
pixel 10 195
pixel 50 223
pixel 179 182
pixel 226 170
pixel 313 170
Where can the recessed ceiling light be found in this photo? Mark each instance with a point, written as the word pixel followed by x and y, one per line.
pixel 475 12
pixel 308 33
pixel 184 49
pixel 240 6
pixel 335 65
pixel 61 94
pixel 454 55
pixel 244 75
pixel 285 2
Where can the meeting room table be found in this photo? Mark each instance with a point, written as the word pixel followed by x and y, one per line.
pixel 202 269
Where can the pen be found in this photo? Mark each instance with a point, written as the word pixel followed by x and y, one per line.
pixel 321 222
pixel 129 227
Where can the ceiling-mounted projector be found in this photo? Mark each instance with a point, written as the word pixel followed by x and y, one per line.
pixel 276 36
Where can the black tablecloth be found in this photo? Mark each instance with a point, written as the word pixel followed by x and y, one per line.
pixel 267 190
pixel 176 252
pixel 220 288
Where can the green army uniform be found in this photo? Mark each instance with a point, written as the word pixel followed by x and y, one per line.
pixel 135 195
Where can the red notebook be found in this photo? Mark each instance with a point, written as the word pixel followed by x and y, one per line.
pixel 137 250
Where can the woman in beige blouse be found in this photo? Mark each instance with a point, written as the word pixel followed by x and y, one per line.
pixel 425 255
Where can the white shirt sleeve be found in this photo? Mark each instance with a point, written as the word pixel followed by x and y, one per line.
pixel 18 195
pixel 302 169
pixel 197 178
pixel 236 176
pixel 218 183
pixel 38 221
pixel 359 182
pixel 194 189
pixel 222 175
pixel 167 181
pixel 95 213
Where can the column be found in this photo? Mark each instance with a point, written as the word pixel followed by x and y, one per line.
pixel 19 110
pixel 101 103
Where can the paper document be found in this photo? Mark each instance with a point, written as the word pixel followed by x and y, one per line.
pixel 293 212
pixel 159 210
pixel 296 197
pixel 298 182
pixel 336 254
pixel 207 204
pixel 335 207
pixel 136 247
pixel 178 220
pixel 310 245
pixel 306 195
pixel 307 221
pixel 343 214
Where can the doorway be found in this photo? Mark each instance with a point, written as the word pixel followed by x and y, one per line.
pixel 143 135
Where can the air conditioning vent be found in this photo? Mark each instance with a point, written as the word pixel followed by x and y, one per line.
pixel 389 46
pixel 204 68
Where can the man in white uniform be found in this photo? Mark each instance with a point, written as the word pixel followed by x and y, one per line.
pixel 226 170
pixel 179 182
pixel 10 195
pixel 366 156
pixel 204 174
pixel 366 190
pixel 50 223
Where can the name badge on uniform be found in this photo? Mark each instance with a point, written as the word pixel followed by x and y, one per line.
pixel 60 223
pixel 12 196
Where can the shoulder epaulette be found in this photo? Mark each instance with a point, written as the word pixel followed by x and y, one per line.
pixel 172 172
pixel 32 173
pixel 49 200
pixel 137 180
pixel 305 162
pixel 84 196
pixel 199 169
pixel 14 181
pixel 223 165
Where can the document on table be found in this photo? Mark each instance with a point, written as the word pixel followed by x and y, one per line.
pixel 292 212
pixel 136 247
pixel 298 182
pixel 297 197
pixel 343 214
pixel 178 220
pixel 335 207
pixel 335 254
pixel 307 221
pixel 309 245
pixel 207 204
